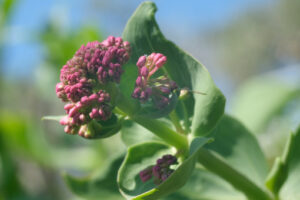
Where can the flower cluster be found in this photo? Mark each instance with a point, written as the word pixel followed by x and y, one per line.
pixel 95 106
pixel 161 171
pixel 158 89
pixel 93 65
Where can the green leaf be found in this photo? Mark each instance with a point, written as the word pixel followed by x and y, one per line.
pixel 144 155
pixel 133 133
pixel 101 186
pixel 204 185
pixel 145 37
pixel 259 99
pixel 150 111
pixel 104 129
pixel 289 172
pixel 53 117
pixel 279 171
pixel 209 108
pixel 240 149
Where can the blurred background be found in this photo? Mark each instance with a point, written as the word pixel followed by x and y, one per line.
pixel 250 47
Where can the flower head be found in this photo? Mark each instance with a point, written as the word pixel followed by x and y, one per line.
pixel 157 89
pixel 93 65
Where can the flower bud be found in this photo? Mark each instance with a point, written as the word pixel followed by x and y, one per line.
pixel 146 174
pixel 141 62
pixel 144 71
pixel 160 89
pixel 161 171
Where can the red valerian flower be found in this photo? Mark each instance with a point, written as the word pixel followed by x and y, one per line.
pixel 92 66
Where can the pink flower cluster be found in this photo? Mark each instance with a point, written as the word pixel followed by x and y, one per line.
pixel 93 65
pixel 157 89
pixel 95 106
pixel 161 171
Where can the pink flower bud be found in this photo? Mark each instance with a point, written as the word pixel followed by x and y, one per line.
pixel 161 61
pixel 118 41
pixel 73 111
pixel 65 120
pixel 141 62
pixel 93 97
pixel 68 129
pixel 144 71
pixel 126 44
pixel 94 113
pixel 84 100
pixel 139 81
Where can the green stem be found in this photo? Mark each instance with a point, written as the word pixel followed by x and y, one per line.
pixel 117 110
pixel 161 130
pixel 216 165
pixel 186 118
pixel 175 120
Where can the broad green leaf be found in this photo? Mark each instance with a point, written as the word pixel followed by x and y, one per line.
pixel 101 186
pixel 290 188
pixel 203 185
pixel 259 99
pixel 144 155
pixel 133 133
pixel 145 37
pixel 240 149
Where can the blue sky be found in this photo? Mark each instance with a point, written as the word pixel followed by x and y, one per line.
pixel 178 19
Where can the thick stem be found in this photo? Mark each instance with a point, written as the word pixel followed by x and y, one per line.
pixel 216 165
pixel 161 130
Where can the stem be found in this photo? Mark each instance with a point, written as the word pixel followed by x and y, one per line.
pixel 120 112
pixel 168 135
pixel 186 118
pixel 175 120
pixel 214 164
